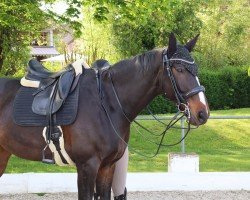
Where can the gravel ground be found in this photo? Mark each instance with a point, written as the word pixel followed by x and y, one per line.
pixel 173 195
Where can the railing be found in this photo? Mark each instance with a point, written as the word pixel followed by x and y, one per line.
pixel 149 117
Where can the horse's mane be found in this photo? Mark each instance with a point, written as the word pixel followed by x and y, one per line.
pixel 146 60
pixel 142 62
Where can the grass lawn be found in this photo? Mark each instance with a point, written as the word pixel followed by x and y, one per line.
pixel 223 145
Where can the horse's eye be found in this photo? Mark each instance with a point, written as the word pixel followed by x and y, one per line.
pixel 179 70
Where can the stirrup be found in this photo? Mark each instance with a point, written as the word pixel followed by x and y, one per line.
pixel 122 196
pixel 46 160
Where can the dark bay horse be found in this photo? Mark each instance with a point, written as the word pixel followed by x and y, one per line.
pixel 91 141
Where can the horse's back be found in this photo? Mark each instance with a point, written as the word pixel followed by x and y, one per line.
pixel 9 85
pixel 8 90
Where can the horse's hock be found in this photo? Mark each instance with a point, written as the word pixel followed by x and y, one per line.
pixel 183 162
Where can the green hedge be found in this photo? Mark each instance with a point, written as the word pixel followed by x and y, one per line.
pixel 226 88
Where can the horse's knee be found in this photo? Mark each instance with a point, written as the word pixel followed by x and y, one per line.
pixel 4 157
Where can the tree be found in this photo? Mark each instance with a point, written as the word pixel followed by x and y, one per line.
pixel 96 40
pixel 224 34
pixel 143 25
pixel 20 22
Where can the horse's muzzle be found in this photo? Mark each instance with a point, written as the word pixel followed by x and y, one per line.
pixel 202 117
pixel 199 118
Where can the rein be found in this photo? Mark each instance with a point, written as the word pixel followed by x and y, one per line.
pixel 173 121
pixel 182 106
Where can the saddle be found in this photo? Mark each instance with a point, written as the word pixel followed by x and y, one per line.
pixel 53 89
pixel 54 102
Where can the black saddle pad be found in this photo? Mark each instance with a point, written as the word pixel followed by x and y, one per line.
pixel 24 116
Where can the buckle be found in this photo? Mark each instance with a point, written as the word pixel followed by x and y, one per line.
pixel 184 108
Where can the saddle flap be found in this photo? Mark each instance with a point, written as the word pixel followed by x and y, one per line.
pixel 42 102
pixel 65 83
pixel 52 94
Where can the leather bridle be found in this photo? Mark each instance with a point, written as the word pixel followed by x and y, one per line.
pixel 182 105
pixel 181 97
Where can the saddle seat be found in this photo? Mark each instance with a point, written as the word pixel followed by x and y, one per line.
pixel 36 71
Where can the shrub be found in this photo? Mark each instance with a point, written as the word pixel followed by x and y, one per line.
pixel 226 88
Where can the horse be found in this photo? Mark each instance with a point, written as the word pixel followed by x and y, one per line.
pixel 91 140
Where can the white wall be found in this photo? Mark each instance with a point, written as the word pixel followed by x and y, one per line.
pixel 66 182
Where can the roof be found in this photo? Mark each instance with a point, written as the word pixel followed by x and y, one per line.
pixel 61 58
pixel 58 58
pixel 44 51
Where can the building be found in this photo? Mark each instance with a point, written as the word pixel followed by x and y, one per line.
pixel 44 46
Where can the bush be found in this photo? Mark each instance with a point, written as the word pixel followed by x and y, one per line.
pixel 160 105
pixel 226 88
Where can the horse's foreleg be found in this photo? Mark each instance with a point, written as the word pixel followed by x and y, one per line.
pixel 4 157
pixel 104 182
pixel 87 173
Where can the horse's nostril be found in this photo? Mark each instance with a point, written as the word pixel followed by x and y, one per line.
pixel 202 117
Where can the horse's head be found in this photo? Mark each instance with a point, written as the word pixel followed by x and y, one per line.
pixel 181 83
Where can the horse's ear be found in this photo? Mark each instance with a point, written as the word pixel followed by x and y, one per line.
pixel 172 47
pixel 190 45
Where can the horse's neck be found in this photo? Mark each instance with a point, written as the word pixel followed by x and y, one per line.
pixel 137 86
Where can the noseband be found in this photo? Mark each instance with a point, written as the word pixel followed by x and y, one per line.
pixel 181 98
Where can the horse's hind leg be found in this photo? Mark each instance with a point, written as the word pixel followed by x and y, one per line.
pixel 4 157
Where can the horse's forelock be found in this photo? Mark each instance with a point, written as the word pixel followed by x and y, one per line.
pixel 183 54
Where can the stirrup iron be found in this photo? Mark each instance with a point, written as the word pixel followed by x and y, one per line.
pixel 46 160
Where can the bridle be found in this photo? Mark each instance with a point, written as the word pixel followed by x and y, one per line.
pixel 182 105
pixel 181 98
